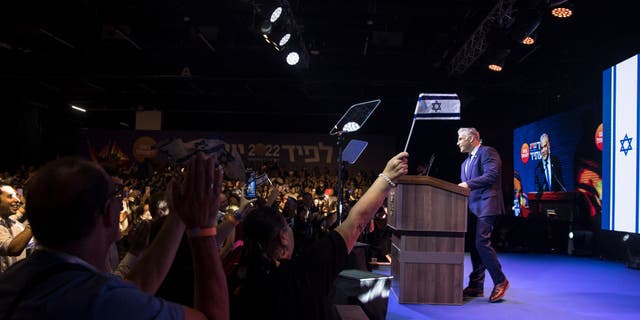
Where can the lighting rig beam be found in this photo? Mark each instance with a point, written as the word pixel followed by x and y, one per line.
pixel 476 45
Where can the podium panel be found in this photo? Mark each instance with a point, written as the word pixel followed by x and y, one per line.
pixel 428 217
pixel 552 216
pixel 560 205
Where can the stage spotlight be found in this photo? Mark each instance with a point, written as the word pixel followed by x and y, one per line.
pixel 293 58
pixel 295 53
pixel 525 25
pixel 497 67
pixel 284 39
pixel 277 33
pixel 561 9
pixel 275 14
pixel 529 40
pixel 275 21
pixel 279 41
pixel 496 58
pixel 496 63
pixel 280 35
pixel 632 245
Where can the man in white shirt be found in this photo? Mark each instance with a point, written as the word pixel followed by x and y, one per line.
pixel 14 236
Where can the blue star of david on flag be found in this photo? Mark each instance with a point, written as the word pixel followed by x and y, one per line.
pixel 628 141
pixel 436 106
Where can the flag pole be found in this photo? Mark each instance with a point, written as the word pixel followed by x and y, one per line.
pixel 410 132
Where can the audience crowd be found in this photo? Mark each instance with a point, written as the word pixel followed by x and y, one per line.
pixel 305 200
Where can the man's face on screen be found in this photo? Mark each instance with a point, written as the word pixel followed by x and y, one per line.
pixel 544 148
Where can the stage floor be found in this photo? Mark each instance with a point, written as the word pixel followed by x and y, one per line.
pixel 543 286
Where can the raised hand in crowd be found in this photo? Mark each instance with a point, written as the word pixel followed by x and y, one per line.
pixel 270 282
pixel 196 200
pixel 71 265
pixel 276 190
pixel 364 210
pixel 232 219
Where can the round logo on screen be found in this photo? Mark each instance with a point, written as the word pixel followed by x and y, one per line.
pixel 524 153
pixel 143 148
pixel 598 138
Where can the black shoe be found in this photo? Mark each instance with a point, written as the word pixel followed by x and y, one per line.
pixel 470 292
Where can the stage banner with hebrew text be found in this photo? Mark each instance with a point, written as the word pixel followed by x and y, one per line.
pixel 294 151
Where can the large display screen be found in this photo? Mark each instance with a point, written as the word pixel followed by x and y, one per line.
pixel 559 157
pixel 620 151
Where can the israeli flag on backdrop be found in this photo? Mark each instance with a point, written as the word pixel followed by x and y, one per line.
pixel 621 194
pixel 438 106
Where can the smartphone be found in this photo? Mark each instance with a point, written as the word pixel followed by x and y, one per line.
pixel 250 191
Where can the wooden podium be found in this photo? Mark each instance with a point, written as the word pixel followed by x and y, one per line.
pixel 551 217
pixel 428 217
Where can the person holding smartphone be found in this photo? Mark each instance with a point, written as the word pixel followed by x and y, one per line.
pixel 250 191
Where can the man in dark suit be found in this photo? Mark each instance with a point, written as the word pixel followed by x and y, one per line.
pixel 548 173
pixel 481 173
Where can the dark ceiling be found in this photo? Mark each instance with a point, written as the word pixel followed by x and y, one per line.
pixel 204 65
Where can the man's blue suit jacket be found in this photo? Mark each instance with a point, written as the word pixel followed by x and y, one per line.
pixel 484 180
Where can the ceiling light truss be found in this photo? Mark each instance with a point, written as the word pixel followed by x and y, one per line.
pixel 284 34
pixel 476 45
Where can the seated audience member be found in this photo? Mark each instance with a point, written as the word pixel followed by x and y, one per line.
pixel 14 236
pixel 269 284
pixel 67 278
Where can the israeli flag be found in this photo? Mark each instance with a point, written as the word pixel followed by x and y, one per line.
pixel 437 106
pixel 620 147
pixel 262 179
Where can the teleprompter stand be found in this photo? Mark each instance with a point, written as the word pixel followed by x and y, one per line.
pixel 351 121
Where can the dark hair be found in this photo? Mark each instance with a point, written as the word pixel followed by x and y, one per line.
pixel 261 229
pixel 65 198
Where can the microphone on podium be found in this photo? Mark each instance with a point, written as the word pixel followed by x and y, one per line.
pixel 555 177
pixel 433 157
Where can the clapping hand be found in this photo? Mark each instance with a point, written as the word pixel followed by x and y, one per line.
pixel 196 198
